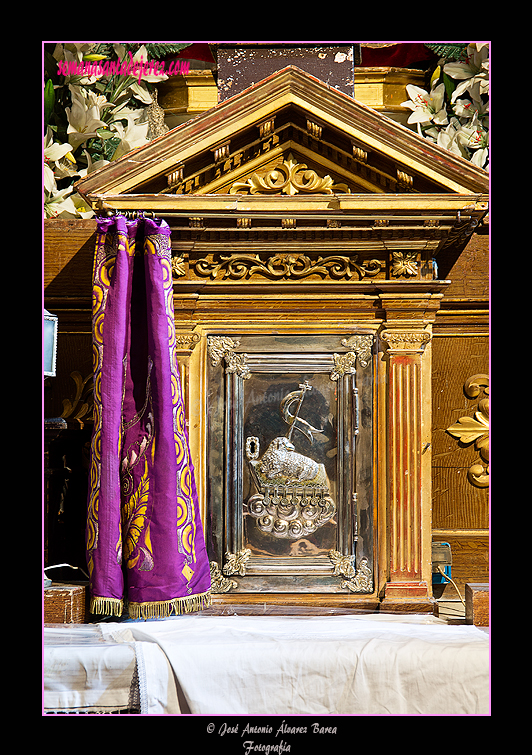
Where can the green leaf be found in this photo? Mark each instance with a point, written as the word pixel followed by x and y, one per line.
pixel 449 51
pixel 450 85
pixel 159 51
pixel 104 133
pixel 110 147
pixel 49 101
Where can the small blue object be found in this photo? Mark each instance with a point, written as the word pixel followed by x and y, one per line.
pixel 441 557
pixel 438 578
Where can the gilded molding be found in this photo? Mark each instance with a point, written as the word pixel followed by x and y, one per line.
pixel 361 344
pixel 286 266
pixel 360 580
pixel 476 430
pixel 406 342
pixel 289 177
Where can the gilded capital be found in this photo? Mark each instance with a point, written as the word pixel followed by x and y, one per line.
pixel 406 341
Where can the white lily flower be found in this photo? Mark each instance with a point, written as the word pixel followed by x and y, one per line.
pixel 134 135
pixel 473 135
pixel 83 117
pixel 426 107
pixel 92 166
pixel 58 161
pixel 49 179
pixel 473 73
pixel 54 151
pixel 57 202
pixel 63 204
pixel 480 158
pixel 73 52
pixel 449 139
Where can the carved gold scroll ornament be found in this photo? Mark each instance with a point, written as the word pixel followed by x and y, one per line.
pixel 287 266
pixel 289 177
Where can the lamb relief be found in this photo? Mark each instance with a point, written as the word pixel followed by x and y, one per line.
pixel 293 498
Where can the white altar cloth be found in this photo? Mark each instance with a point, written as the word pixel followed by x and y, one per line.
pixel 86 671
pixel 345 665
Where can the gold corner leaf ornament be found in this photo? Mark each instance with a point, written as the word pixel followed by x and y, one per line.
pixel 344 364
pixel 360 581
pixel 235 563
pixel 289 177
pixel 219 583
pixel 475 430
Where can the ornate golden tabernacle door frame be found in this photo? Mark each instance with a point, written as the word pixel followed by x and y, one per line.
pixel 305 225
pixel 290 436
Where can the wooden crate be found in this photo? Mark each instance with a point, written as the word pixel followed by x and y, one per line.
pixel 477 598
pixel 65 603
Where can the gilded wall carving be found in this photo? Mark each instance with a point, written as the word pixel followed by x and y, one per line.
pixel 475 430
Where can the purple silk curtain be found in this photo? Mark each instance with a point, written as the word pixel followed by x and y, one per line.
pixel 145 545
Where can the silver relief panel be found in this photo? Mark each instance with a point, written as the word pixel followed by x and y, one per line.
pixel 289 459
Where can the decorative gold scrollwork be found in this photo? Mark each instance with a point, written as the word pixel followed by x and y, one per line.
pixel 238 266
pixel 219 346
pixel 289 177
pixel 476 429
pixel 360 580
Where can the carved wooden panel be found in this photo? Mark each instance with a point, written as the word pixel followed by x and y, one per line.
pixel 457 503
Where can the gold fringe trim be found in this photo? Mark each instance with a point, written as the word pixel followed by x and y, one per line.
pixel 107 606
pixel 162 609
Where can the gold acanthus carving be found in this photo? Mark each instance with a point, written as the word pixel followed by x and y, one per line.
pixel 360 580
pixel 187 340
pixel 289 177
pixel 238 266
pixel 178 266
pixel 219 347
pixel 476 429
pixel 406 342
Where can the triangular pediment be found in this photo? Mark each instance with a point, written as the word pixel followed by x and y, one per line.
pixel 289 134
